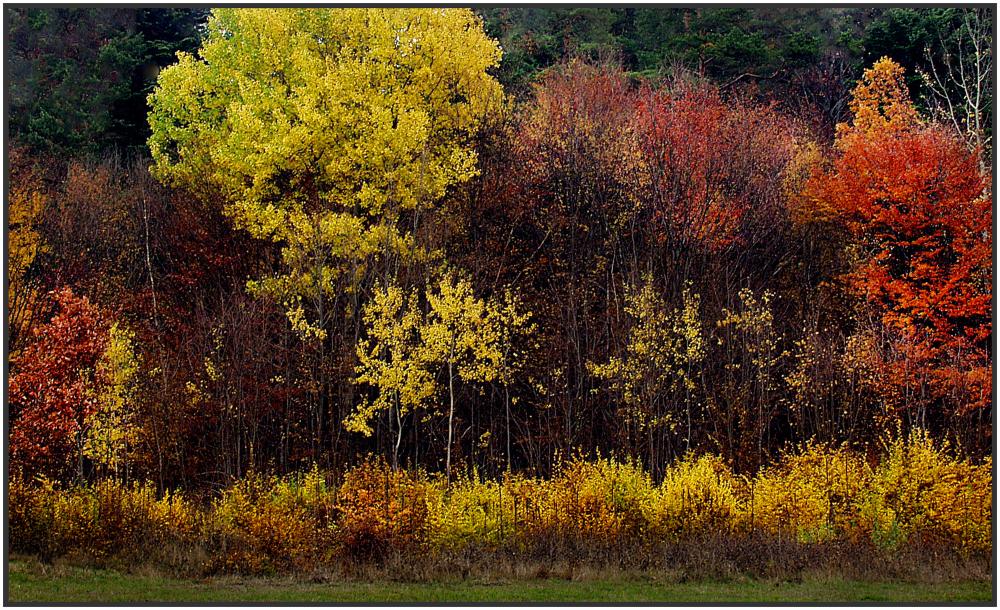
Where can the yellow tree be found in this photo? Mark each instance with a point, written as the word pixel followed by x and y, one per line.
pixel 325 129
pixel 472 339
pixel 391 360
pixel 26 203
pixel 459 335
pixel 880 103
pixel 664 349
pixel 112 428
pixel 752 350
pixel 510 323
pixel 330 132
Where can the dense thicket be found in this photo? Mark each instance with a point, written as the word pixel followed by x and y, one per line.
pixel 640 232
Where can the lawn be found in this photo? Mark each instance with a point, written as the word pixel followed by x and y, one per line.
pixel 31 582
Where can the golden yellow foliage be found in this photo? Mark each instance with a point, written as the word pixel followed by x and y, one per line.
pixel 919 494
pixel 812 494
pixel 104 519
pixel 920 490
pixel 112 430
pixel 266 524
pixel 320 127
pixel 881 102
pixel 664 347
pixel 697 495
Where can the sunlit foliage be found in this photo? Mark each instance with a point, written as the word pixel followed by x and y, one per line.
pixel 920 210
pixel 920 493
pixel 321 128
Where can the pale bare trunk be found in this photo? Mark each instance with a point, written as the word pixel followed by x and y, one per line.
pixel 451 417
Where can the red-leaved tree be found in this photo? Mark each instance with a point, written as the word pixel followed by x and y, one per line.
pixel 53 390
pixel 920 211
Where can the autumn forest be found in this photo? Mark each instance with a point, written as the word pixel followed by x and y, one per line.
pixel 295 287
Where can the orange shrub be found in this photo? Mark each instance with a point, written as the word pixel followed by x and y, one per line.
pixel 379 509
pixel 268 524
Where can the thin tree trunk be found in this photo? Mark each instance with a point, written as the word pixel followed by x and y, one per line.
pixel 451 414
pixel 399 436
pixel 506 391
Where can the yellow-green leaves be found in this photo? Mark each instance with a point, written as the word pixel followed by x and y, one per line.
pixel 345 108
pixel 113 428
pixel 319 127
pixel 460 330
pixel 665 346
pixel 392 359
pixel 406 348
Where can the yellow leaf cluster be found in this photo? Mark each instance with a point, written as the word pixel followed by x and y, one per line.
pixel 664 347
pixel 113 431
pixel 405 347
pixel 318 128
pixel 881 102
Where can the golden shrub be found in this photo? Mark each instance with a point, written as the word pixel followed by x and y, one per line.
pixel 101 520
pixel 598 500
pixel 380 509
pixel 920 489
pixel 26 515
pixel 920 492
pixel 697 495
pixel 812 494
pixel 263 525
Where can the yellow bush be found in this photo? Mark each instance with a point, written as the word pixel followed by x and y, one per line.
pixel 812 494
pixel 919 492
pixel 473 511
pixel 599 500
pixel 919 489
pixel 696 495
pixel 264 525
pixel 104 519
pixel 25 506
pixel 531 506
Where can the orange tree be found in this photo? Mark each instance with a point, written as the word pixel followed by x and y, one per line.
pixel 920 213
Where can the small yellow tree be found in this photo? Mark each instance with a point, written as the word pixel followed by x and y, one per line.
pixel 752 350
pixel 112 430
pixel 664 349
pixel 462 335
pixel 26 203
pixel 510 322
pixel 881 102
pixel 391 360
pixel 405 349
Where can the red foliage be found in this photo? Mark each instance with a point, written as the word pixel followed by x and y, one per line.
pixel 695 170
pixel 53 389
pixel 921 212
pixel 713 166
pixel 576 148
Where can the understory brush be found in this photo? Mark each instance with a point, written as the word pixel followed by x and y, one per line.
pixel 919 508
